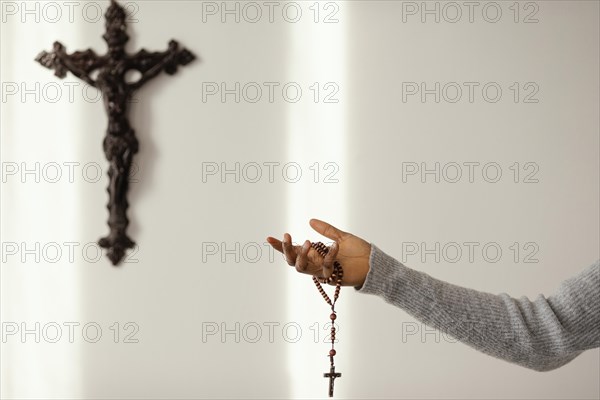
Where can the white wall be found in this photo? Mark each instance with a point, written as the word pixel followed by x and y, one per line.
pixel 172 291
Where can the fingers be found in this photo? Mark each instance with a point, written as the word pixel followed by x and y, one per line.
pixel 293 257
pixel 297 256
pixel 327 230
pixel 277 245
pixel 288 250
pixel 302 259
pixel 329 259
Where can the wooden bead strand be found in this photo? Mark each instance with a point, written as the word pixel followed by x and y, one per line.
pixel 336 277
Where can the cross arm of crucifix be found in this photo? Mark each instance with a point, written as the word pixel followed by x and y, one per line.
pixel 80 63
pixel 152 64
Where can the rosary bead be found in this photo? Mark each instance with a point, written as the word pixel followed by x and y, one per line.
pixel 336 277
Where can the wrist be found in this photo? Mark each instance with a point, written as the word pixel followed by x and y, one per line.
pixel 365 267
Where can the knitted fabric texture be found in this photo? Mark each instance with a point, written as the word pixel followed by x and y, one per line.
pixel 542 334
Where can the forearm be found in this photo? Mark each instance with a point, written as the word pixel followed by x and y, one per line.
pixel 541 335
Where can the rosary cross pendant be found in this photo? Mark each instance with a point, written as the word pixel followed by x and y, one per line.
pixel 331 375
pixel 120 143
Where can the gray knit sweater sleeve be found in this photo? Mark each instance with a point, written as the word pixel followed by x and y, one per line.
pixel 542 334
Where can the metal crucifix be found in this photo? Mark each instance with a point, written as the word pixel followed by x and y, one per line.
pixel 332 375
pixel 120 143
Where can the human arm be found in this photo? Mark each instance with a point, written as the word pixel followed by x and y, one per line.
pixel 542 334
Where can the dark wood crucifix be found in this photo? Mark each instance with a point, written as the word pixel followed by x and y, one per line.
pixel 120 143
pixel 331 375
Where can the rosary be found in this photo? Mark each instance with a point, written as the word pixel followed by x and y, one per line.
pixel 336 277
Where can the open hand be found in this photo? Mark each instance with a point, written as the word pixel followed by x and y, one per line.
pixel 350 251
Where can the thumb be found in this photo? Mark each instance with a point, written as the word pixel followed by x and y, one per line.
pixel 327 230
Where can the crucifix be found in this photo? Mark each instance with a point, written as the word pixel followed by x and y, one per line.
pixel 120 143
pixel 331 375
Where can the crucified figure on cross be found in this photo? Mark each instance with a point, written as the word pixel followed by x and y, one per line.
pixel 120 143
pixel 332 375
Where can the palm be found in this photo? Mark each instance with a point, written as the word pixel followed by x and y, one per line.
pixel 352 253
